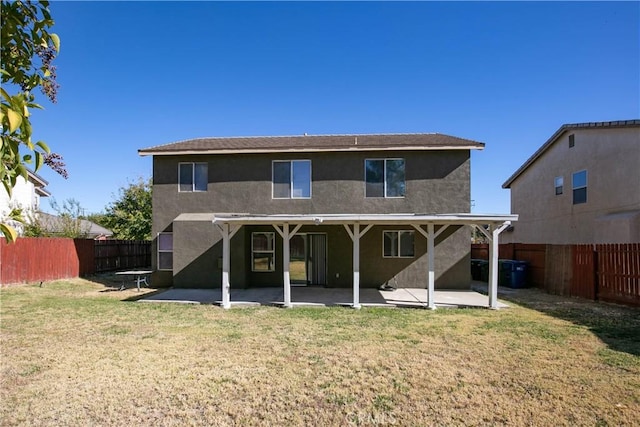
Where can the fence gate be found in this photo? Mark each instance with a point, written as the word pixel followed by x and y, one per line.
pixel 583 283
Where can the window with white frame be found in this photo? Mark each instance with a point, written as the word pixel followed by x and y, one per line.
pixel 559 185
pixel 263 251
pixel 291 179
pixel 398 244
pixel 165 251
pixel 384 178
pixel 579 183
pixel 192 177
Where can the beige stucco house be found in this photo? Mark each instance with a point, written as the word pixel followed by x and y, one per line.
pixel 581 186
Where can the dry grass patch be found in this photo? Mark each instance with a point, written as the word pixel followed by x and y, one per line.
pixel 75 354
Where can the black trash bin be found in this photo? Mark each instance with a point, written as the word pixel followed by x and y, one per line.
pixel 476 269
pixel 484 271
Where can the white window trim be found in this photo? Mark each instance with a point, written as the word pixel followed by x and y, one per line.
pixel 291 179
pixel 384 175
pixel 555 185
pixel 573 187
pixel 163 251
pixel 193 177
pixel 273 251
pixel 399 250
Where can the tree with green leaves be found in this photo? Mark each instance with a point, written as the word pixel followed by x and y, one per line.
pixel 129 215
pixel 27 54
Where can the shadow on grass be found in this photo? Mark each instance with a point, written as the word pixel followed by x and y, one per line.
pixel 616 325
pixel 144 295
pixel 115 283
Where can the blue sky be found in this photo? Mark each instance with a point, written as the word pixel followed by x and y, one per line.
pixel 134 75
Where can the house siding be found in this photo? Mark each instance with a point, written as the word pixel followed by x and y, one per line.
pixel 611 157
pixel 436 182
pixel 23 196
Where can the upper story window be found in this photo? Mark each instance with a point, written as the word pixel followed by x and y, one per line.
pixel 192 177
pixel 384 178
pixel 165 251
pixel 580 187
pixel 398 244
pixel 559 185
pixel 572 141
pixel 291 179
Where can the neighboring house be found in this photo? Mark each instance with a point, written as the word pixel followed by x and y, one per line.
pixel 87 229
pixel 26 196
pixel 328 210
pixel 581 186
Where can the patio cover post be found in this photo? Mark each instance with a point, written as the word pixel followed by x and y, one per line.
pixel 286 258
pixel 356 265
pixel 286 265
pixel 431 304
pixel 355 236
pixel 493 262
pixel 226 266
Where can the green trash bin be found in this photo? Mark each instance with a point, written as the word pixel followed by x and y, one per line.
pixel 504 272
pixel 484 271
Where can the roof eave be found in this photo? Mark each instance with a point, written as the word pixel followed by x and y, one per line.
pixel 42 192
pixel 535 156
pixel 379 219
pixel 565 128
pixel 37 178
pixel 479 146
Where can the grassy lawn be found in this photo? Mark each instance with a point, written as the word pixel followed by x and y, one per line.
pixel 75 353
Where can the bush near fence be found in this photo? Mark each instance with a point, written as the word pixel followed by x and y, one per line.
pixel 605 272
pixel 37 259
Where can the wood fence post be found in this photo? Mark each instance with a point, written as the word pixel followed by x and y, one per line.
pixel 596 296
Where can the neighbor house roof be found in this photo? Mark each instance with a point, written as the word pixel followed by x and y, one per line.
pixel 567 128
pixel 55 224
pixel 39 183
pixel 313 143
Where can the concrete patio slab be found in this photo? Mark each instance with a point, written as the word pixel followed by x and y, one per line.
pixel 322 297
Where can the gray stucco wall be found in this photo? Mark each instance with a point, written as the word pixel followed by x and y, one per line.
pixel 436 182
pixel 611 158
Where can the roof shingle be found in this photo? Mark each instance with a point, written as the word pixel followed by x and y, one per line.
pixel 260 144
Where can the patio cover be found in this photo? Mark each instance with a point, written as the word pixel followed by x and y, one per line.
pixel 356 226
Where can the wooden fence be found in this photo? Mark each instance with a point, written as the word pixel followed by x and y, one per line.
pixel 608 272
pixel 583 283
pixel 111 255
pixel 605 272
pixel 36 259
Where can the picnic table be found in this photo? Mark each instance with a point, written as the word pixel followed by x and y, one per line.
pixel 140 277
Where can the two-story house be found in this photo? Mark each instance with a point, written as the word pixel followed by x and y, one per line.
pixel 581 186
pixel 25 196
pixel 327 210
